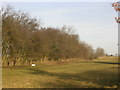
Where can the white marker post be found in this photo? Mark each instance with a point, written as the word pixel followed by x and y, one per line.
pixel 33 65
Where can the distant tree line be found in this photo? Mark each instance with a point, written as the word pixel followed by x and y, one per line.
pixel 25 40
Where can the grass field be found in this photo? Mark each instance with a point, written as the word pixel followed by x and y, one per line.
pixel 102 73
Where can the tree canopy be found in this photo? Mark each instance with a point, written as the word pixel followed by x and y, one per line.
pixel 24 38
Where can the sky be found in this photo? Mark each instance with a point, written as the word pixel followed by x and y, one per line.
pixel 59 0
pixel 94 22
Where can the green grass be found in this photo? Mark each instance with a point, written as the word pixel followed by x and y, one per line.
pixel 100 73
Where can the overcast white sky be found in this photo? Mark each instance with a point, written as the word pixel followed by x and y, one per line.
pixel 93 21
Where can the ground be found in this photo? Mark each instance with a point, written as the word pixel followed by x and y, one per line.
pixel 100 73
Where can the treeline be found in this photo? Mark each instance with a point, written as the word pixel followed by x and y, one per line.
pixel 25 40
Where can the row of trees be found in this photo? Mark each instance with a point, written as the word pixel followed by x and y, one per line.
pixel 24 39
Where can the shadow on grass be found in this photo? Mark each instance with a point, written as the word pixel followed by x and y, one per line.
pixel 98 62
pixel 101 78
pixel 107 63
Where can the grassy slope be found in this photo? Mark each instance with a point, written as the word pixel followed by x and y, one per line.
pixel 82 74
